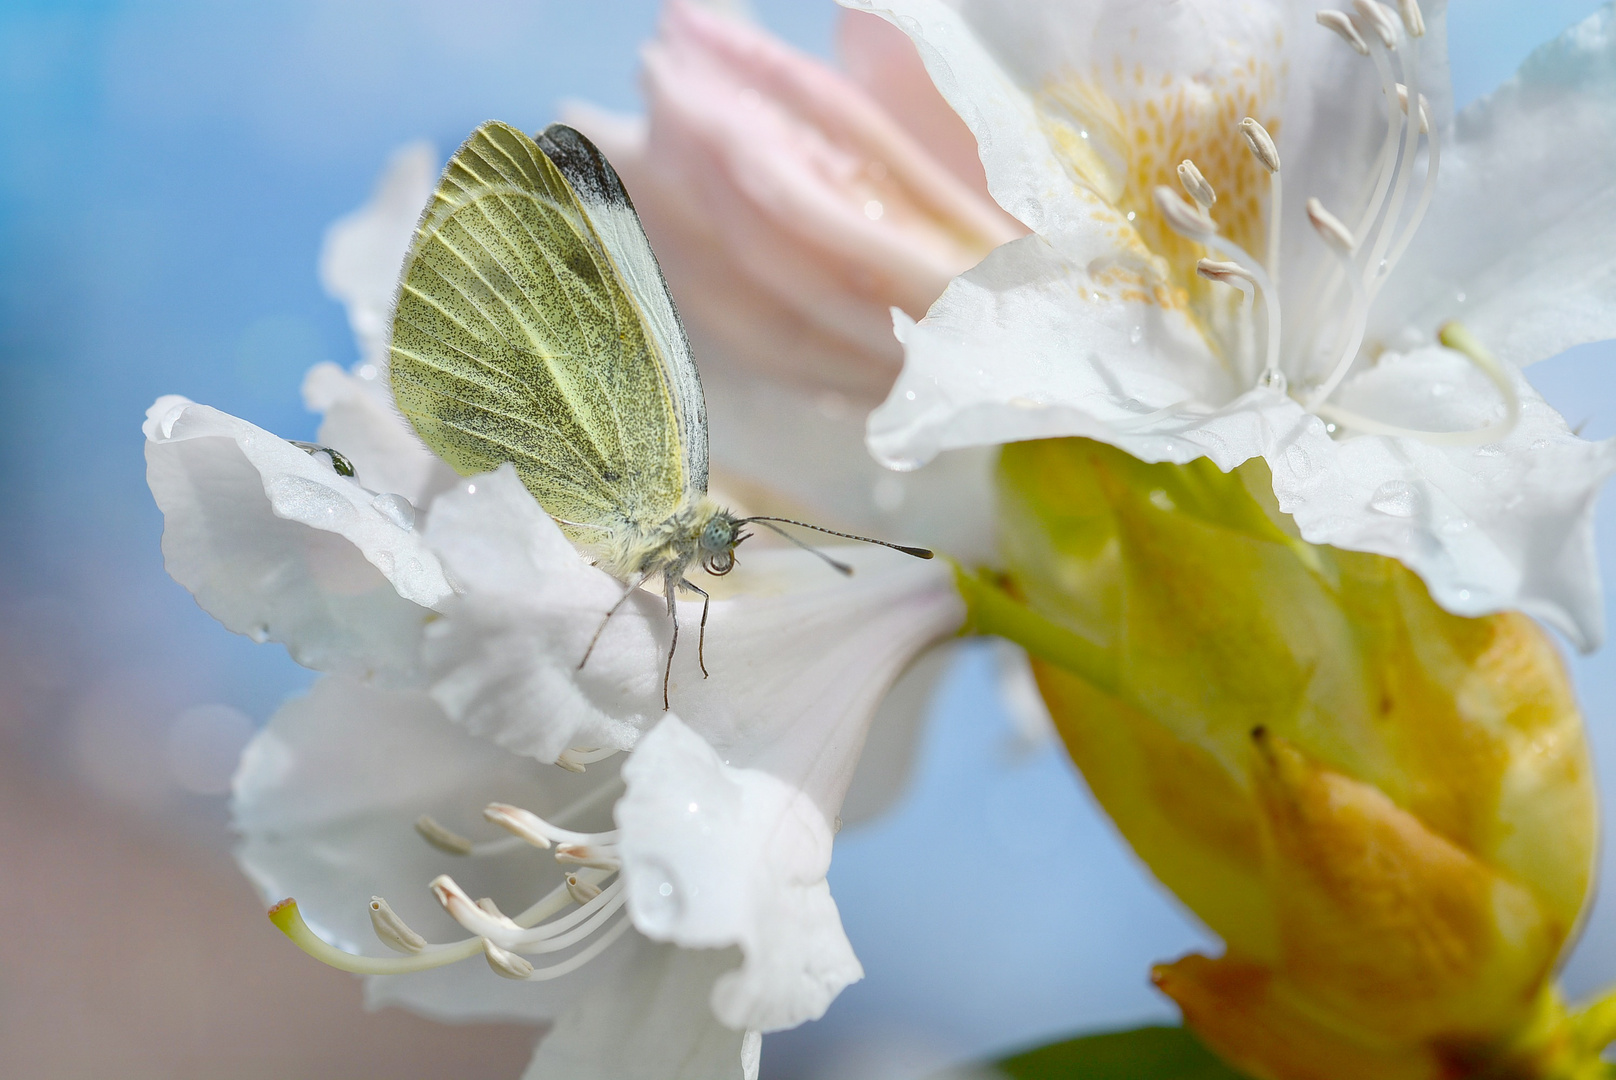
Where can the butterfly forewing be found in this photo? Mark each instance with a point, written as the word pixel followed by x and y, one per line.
pixel 516 339
pixel 615 222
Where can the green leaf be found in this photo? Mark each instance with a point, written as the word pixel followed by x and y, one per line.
pixel 1148 1053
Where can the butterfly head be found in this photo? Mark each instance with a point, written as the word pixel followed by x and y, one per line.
pixel 718 540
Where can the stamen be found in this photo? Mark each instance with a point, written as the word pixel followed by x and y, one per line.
pixel 1433 163
pixel 1357 315
pixel 538 832
pixel 393 931
pixel 1413 18
pixel 444 839
pixel 602 858
pixel 463 910
pixel 1233 274
pixel 1190 222
pixel 1229 273
pixel 580 890
pixel 1195 185
pixel 1372 268
pixel 1379 20
pixel 507 965
pixel 1425 108
pixel 1261 143
pixel 583 956
pixel 1342 25
pixel 575 758
pixel 1329 227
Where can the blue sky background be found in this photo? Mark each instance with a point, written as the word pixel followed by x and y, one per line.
pixel 169 169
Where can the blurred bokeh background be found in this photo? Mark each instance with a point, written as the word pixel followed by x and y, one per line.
pixel 168 168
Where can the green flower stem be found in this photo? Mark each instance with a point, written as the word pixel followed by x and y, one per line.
pixel 995 611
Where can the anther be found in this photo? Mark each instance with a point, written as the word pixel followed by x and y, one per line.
pixel 1329 227
pixel 463 910
pixel 580 890
pixel 1226 272
pixel 600 858
pixel 1425 108
pixel 1261 143
pixel 1188 221
pixel 1195 185
pixel 1413 19
pixel 506 964
pixel 1379 20
pixel 393 931
pixel 445 840
pixel 1341 23
pixel 517 821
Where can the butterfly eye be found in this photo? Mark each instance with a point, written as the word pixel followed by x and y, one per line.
pixel 719 564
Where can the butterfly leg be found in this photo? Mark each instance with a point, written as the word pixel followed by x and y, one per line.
pixel 701 638
pixel 673 613
pixel 628 592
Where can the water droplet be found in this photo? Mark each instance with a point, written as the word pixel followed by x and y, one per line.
pixel 1161 500
pixel 1538 444
pixel 1461 296
pixel 259 632
pixel 1273 379
pixel 1083 134
pixel 908 395
pixel 1396 498
pixel 873 209
pixel 1296 459
pixel 1490 450
pixel 655 897
pixel 368 372
pixel 1464 594
pixel 693 807
pixel 471 489
pixel 1136 335
pixel 1329 429
pixel 397 509
pixel 1441 389
pixel 1131 215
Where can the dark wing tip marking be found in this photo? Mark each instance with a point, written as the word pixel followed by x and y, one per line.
pixel 584 166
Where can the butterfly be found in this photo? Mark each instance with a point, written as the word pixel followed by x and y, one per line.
pixel 533 326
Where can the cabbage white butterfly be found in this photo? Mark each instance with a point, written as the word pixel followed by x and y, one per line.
pixel 533 326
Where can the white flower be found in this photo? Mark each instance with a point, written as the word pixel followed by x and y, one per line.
pixel 670 940
pixel 1378 438
pixel 724 813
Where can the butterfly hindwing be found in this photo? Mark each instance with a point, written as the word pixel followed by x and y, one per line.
pixel 517 338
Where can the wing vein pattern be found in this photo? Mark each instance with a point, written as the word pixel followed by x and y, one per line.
pixel 533 326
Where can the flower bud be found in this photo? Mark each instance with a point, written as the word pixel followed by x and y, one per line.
pixel 1386 811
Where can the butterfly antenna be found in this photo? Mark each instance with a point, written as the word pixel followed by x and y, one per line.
pixel 917 552
pixel 836 564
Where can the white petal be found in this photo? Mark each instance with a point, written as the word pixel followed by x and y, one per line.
pixel 808 453
pixel 799 656
pixel 888 758
pixel 1028 345
pixel 325 802
pixel 364 251
pixel 506 657
pixel 275 544
pixel 653 1025
pixel 362 422
pixel 716 856
pixel 1517 244
pixel 1507 525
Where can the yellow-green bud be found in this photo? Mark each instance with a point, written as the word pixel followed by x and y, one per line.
pixel 1385 811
